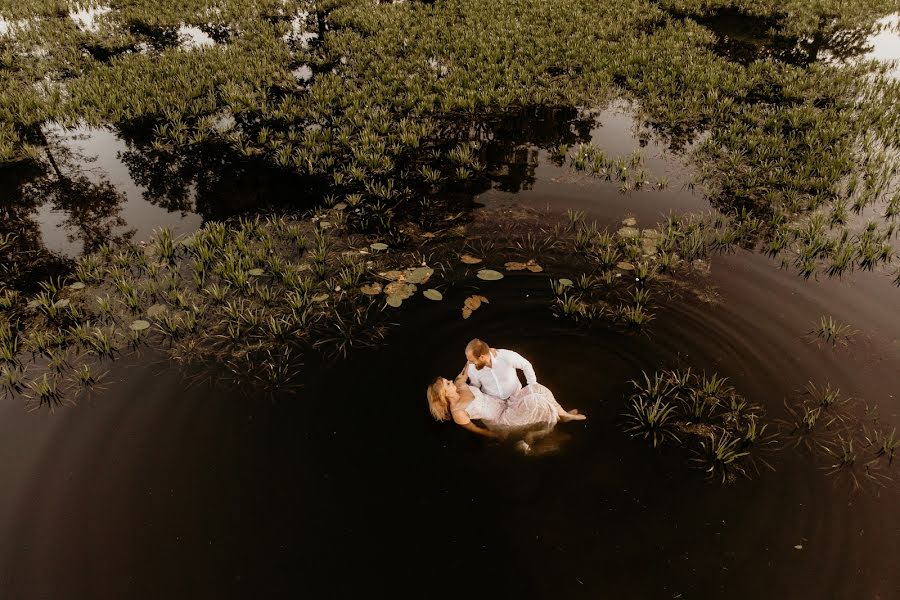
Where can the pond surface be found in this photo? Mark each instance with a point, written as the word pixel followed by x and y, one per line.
pixel 155 488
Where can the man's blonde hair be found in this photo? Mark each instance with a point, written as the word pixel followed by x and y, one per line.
pixel 477 348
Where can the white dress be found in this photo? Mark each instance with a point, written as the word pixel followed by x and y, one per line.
pixel 532 408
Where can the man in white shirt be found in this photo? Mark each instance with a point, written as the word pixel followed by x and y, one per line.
pixel 494 371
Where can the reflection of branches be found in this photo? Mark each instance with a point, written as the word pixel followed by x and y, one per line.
pixel 208 180
pixel 745 38
pixel 507 140
pixel 166 177
pixel 92 210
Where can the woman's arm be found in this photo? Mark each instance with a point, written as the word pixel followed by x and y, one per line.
pixel 479 430
pixel 461 418
pixel 463 375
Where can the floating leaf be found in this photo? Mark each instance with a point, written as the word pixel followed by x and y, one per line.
pixel 378 246
pixel 157 310
pixel 566 282
pixel 535 268
pixel 471 304
pixel 515 266
pixel 394 275
pixel 433 294
pixel 371 289
pixel 469 260
pixel 76 286
pixel 404 290
pixel 489 275
pixel 256 272
pixel 394 300
pixel 139 325
pixel 419 275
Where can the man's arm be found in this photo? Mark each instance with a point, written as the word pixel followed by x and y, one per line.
pixel 518 362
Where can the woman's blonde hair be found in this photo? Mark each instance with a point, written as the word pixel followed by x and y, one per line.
pixel 437 400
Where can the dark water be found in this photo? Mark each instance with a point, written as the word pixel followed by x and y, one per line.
pixel 156 488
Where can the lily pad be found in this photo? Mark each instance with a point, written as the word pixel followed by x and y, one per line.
pixel 419 275
pixel 371 289
pixel 378 246
pixel 535 268
pixel 401 289
pixel 433 294
pixel 469 260
pixel 471 304
pixel 515 266
pixel 76 286
pixel 256 272
pixel 489 275
pixel 394 300
pixel 394 275
pixel 157 310
pixel 139 325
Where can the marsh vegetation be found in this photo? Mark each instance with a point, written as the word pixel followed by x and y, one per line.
pixel 323 177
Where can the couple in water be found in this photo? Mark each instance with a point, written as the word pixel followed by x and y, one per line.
pixel 488 390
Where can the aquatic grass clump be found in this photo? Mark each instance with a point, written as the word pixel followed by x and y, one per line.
pixel 630 266
pixel 651 420
pixel 257 292
pixel 704 414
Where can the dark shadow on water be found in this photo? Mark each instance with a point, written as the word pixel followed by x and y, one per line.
pixel 744 38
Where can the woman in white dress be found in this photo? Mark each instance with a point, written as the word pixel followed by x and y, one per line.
pixel 528 413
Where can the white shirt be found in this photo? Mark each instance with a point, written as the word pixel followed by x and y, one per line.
pixel 500 379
